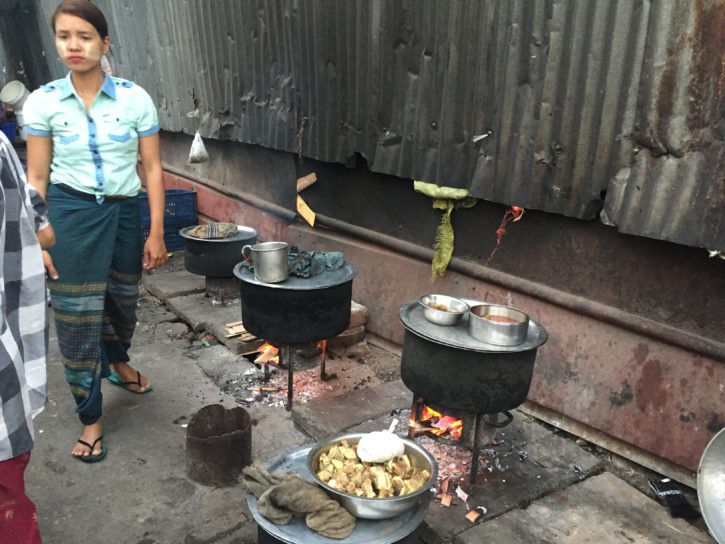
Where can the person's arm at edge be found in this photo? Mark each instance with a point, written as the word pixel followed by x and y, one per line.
pixel 154 254
pixel 40 149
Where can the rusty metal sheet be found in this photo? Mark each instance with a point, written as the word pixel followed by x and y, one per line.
pixel 557 105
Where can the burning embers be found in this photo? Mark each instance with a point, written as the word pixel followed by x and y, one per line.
pixel 425 420
pixel 284 357
pixel 268 354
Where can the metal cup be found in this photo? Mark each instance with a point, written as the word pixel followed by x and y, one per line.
pixel 269 261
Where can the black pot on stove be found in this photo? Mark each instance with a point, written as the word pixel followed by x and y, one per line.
pixel 447 366
pixel 297 310
pixel 216 258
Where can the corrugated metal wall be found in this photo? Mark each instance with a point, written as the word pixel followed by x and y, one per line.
pixel 562 106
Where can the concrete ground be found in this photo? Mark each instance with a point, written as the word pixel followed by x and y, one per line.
pixel 539 485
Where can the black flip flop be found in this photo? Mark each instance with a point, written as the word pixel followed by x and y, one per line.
pixel 90 458
pixel 115 379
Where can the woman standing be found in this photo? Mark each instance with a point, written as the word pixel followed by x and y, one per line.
pixel 85 133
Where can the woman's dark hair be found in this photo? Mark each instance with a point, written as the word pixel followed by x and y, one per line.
pixel 84 9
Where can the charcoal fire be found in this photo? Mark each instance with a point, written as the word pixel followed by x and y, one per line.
pixel 434 423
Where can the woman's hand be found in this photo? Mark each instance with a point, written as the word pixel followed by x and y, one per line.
pixel 49 266
pixel 154 252
pixel 46 237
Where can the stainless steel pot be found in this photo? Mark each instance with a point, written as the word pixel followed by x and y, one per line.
pixel 711 486
pixel 269 261
pixel 388 507
pixel 498 325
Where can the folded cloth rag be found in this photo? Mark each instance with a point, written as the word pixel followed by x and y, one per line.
pixel 305 264
pixel 213 231
pixel 287 495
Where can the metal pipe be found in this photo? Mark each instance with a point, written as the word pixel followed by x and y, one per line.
pixel 596 310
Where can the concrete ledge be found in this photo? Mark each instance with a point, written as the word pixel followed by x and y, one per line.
pixel 601 510
pixel 167 285
pixel 325 417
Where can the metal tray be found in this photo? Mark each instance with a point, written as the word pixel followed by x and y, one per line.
pixel 456 336
pixel 711 486
pixel 329 278
pixel 384 531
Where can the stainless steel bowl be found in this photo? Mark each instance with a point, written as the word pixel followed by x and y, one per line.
pixel 711 486
pixel 456 309
pixel 483 326
pixel 365 508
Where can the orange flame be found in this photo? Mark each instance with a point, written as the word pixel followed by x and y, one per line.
pixel 268 354
pixel 440 424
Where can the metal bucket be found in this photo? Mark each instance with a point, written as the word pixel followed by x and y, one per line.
pixel 218 445
pixel 269 261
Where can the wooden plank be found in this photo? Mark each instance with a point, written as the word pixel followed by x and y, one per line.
pixel 305 181
pixel 304 210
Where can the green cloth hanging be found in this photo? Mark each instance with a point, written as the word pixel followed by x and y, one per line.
pixel 445 199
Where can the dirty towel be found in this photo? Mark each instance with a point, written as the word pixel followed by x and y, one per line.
pixel 287 495
pixel 213 231
pixel 305 264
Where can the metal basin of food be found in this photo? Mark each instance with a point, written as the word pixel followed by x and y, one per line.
pixel 442 309
pixel 711 486
pixel 384 508
pixel 498 325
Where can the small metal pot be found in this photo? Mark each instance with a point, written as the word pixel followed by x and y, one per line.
pixel 498 325
pixel 269 260
pixel 455 309
pixel 389 507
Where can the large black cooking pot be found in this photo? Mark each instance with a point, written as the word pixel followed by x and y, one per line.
pixel 215 258
pixel 297 310
pixel 445 365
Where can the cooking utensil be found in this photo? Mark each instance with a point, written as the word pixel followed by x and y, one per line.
pixel 455 309
pixel 711 486
pixel 388 507
pixel 498 325
pixel 299 310
pixel 215 257
pixel 269 260
pixel 387 531
pixel 447 366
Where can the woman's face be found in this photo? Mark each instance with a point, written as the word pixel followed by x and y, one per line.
pixel 78 43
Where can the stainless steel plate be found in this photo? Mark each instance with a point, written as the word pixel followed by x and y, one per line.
pixel 384 531
pixel 711 486
pixel 457 336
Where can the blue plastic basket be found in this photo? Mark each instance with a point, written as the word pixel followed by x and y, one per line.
pixel 180 212
pixel 10 129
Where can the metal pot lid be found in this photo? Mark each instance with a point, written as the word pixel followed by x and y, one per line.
pixel 243 233
pixel 711 485
pixel 456 336
pixel 330 278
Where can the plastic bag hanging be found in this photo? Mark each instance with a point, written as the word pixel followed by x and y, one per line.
pixel 198 150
